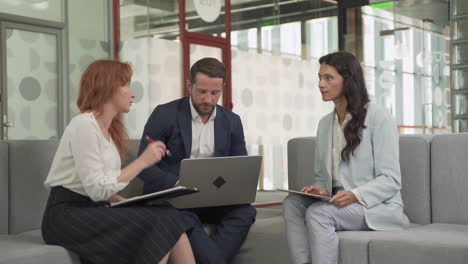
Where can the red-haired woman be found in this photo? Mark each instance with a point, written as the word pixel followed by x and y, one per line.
pixel 86 173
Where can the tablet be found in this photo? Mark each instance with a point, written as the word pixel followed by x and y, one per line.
pixel 161 195
pixel 320 197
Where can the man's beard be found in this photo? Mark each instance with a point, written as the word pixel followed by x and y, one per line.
pixel 201 110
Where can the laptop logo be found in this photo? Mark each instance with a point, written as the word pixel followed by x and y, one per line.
pixel 219 182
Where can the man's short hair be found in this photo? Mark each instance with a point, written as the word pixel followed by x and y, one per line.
pixel 211 67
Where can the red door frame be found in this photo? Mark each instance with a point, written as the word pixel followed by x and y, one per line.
pixel 115 29
pixel 187 38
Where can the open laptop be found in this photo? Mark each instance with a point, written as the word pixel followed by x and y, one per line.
pixel 221 181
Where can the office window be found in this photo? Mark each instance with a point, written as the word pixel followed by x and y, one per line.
pixel 290 35
pixel 407 70
pixel 244 39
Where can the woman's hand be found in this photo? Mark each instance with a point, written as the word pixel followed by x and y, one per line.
pixel 177 184
pixel 314 190
pixel 116 198
pixel 343 198
pixel 153 153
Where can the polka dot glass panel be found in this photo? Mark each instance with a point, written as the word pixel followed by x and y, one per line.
pixel 31 84
pixel 278 99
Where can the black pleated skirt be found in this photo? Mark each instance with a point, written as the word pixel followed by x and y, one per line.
pixel 100 234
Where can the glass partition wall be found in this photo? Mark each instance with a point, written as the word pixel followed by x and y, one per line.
pixel 459 67
pixel 404 49
pixel 275 46
pixel 275 50
pixel 44 47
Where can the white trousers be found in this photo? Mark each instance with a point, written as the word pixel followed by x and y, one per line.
pixel 311 227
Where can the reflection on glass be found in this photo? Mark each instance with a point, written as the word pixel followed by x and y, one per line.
pixel 460 126
pixel 460 29
pixel 460 79
pixel 427 90
pixel 244 39
pixel 404 49
pixel 427 54
pixel 461 104
pixel 321 36
pixel 205 16
pixel 448 118
pixel 42 9
pixel 88 41
pixel 407 70
pixel 150 19
pixel 290 35
pixel 408 100
pixel 271 39
pixel 379 51
pixel 460 53
pixel 459 7
pixel 368 40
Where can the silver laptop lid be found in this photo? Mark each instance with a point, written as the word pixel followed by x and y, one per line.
pixel 221 181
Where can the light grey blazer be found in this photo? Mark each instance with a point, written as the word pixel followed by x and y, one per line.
pixel 373 170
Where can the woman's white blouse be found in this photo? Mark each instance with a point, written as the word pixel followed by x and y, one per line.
pixel 86 162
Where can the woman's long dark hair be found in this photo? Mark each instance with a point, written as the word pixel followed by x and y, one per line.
pixel 355 92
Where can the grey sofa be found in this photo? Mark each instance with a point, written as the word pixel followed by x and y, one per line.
pixel 435 193
pixel 24 165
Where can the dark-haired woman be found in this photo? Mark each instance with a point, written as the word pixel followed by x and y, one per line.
pixel 356 163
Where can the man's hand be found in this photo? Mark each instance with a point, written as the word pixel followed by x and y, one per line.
pixel 343 198
pixel 314 190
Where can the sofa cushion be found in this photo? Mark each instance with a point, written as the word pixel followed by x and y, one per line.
pixel 29 248
pixel 301 156
pixel 415 170
pixel 135 187
pixel 30 162
pixel 449 180
pixel 133 146
pixel 4 187
pixel 354 245
pixel 434 243
pixel 415 164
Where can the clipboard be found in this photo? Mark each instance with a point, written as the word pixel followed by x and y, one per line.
pixel 316 196
pixel 149 198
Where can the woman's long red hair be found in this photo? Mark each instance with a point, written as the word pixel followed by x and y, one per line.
pixel 99 82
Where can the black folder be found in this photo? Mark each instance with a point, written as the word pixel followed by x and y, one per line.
pixel 153 198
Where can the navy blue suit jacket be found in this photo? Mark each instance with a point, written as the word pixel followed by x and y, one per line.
pixel 171 123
